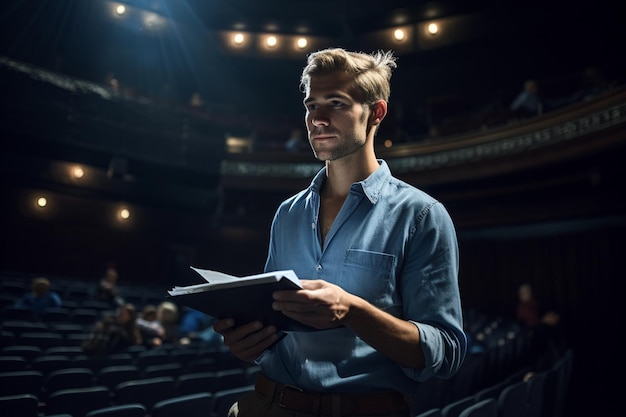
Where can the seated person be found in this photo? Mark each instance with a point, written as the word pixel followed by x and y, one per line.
pixel 114 334
pixel 149 325
pixel 40 298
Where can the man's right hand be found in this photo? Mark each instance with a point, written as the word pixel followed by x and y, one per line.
pixel 247 341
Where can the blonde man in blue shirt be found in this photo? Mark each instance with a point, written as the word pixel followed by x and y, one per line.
pixel 378 260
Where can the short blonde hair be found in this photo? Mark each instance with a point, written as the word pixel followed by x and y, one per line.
pixel 40 286
pixel 371 72
pixel 167 312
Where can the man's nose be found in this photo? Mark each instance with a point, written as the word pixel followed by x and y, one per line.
pixel 319 121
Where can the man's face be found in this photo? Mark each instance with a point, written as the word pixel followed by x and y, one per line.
pixel 335 120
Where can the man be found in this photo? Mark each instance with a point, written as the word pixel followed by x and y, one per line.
pixel 380 261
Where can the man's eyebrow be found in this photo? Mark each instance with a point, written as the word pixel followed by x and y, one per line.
pixel 328 97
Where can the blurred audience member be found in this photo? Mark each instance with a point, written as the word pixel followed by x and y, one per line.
pixel 167 319
pixel 195 326
pixel 149 325
pixel 296 141
pixel 114 334
pixel 108 290
pixel 40 298
pixel 528 102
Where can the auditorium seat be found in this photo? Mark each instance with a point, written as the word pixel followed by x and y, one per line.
pixel 120 410
pixel 7 338
pixel 26 351
pixel 57 315
pixel 22 405
pixel 85 316
pixel 193 405
pixel 173 369
pixel 67 378
pixel 145 391
pixel 454 408
pixel 42 339
pixel 433 412
pixel 223 400
pixel 12 363
pixel 111 376
pixel 49 363
pixel 195 382
pixel 78 401
pixel 21 382
pixel 513 400
pixel 483 408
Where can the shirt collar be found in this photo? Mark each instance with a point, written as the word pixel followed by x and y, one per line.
pixel 371 186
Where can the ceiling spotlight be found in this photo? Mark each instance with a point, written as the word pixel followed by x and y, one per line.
pixel 433 28
pixel 399 34
pixel 124 214
pixel 301 43
pixel 78 172
pixel 271 41
pixel 42 201
pixel 239 38
pixel 120 10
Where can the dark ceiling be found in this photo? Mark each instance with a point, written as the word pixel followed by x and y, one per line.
pixel 518 40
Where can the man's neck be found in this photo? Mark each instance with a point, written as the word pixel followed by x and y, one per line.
pixel 342 173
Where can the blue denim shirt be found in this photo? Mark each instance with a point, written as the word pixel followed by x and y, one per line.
pixel 390 244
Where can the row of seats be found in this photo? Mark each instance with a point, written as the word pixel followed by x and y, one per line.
pixel 131 402
pixel 523 394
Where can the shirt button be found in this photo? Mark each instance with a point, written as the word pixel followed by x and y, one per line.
pixel 319 267
pixel 312 225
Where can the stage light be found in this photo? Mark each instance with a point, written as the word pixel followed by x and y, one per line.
pixel 124 214
pixel 399 34
pixel 42 201
pixel 271 41
pixel 301 43
pixel 433 29
pixel 239 38
pixel 78 172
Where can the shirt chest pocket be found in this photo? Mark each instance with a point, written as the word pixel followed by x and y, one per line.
pixel 368 275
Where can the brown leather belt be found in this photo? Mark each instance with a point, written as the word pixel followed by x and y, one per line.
pixel 296 399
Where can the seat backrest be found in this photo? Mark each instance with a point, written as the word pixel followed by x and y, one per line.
pixel 145 391
pixel 199 404
pixel 453 409
pixel 23 405
pixel 67 378
pixel 50 363
pixel 78 401
pixel 195 382
pixel 28 352
pixel 513 400
pixel 121 410
pixel 223 400
pixel 10 363
pixel 433 412
pixel 111 376
pixel 21 382
pixel 42 339
pixel 166 369
pixel 484 408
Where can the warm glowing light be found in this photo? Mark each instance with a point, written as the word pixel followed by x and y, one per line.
pixel 120 10
pixel 388 143
pixel 302 43
pixel 124 214
pixel 42 201
pixel 433 28
pixel 272 41
pixel 239 38
pixel 399 34
pixel 78 172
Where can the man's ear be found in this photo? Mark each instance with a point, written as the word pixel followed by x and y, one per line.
pixel 378 113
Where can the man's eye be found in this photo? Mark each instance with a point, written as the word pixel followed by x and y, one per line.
pixel 336 104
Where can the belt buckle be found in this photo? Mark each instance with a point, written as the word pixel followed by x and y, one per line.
pixel 282 393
